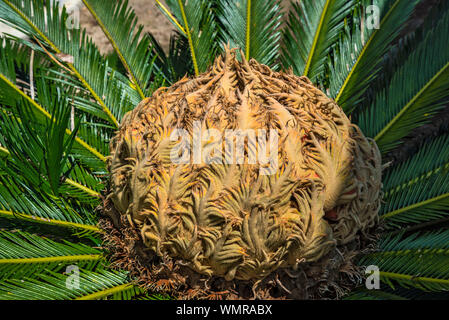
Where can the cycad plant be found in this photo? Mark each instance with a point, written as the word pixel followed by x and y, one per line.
pixel 68 177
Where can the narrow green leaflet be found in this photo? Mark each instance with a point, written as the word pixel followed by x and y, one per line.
pixel 313 28
pixel 53 286
pixel 119 23
pixel 416 91
pixel 429 254
pixel 356 61
pixel 254 27
pixel 24 254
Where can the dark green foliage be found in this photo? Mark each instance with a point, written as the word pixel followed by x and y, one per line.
pixel 313 28
pixel 417 90
pixel 357 58
pixel 252 26
pixel 55 130
pixel 417 191
pixel 420 261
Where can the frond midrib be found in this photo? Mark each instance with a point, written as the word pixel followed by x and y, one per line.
pixel 106 292
pixel 399 276
pixel 54 222
pixel 315 39
pixel 189 37
pixel 408 251
pixel 411 102
pixel 410 182
pixel 168 13
pixel 116 48
pixel 82 257
pixel 415 205
pixel 248 30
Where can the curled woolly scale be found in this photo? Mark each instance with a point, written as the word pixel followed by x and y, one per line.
pixel 231 220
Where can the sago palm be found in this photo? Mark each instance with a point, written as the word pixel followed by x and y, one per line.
pixel 92 205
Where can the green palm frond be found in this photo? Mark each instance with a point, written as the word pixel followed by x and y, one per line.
pixel 431 159
pixel 356 60
pixel 176 63
pixel 39 149
pixel 198 22
pixel 417 261
pixel 254 27
pixel 117 91
pixel 11 91
pixel 418 89
pixel 135 293
pixel 33 222
pixel 25 255
pixel 84 184
pixel 417 191
pixel 44 20
pixel 53 286
pixel 119 23
pixel 20 200
pixel 420 202
pixel 81 176
pixel 130 293
pixel 313 28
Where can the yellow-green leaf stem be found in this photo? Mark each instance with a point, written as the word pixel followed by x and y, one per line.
pixel 27 217
pixel 70 65
pixel 189 37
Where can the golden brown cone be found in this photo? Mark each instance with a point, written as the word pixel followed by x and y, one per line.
pixel 229 220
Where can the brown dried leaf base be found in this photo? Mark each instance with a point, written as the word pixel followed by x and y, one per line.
pixel 331 277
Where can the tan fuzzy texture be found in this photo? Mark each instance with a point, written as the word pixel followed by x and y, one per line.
pixel 229 220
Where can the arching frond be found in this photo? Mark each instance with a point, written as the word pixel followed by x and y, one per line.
pixel 119 23
pixel 57 286
pixel 198 22
pixel 21 201
pixel 417 261
pixel 357 58
pixel 431 159
pixel 313 28
pixel 421 202
pixel 34 18
pixel 418 89
pixel 41 152
pixel 253 26
pixel 25 255
pixel 11 91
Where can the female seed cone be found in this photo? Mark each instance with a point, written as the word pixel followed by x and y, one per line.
pixel 243 219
